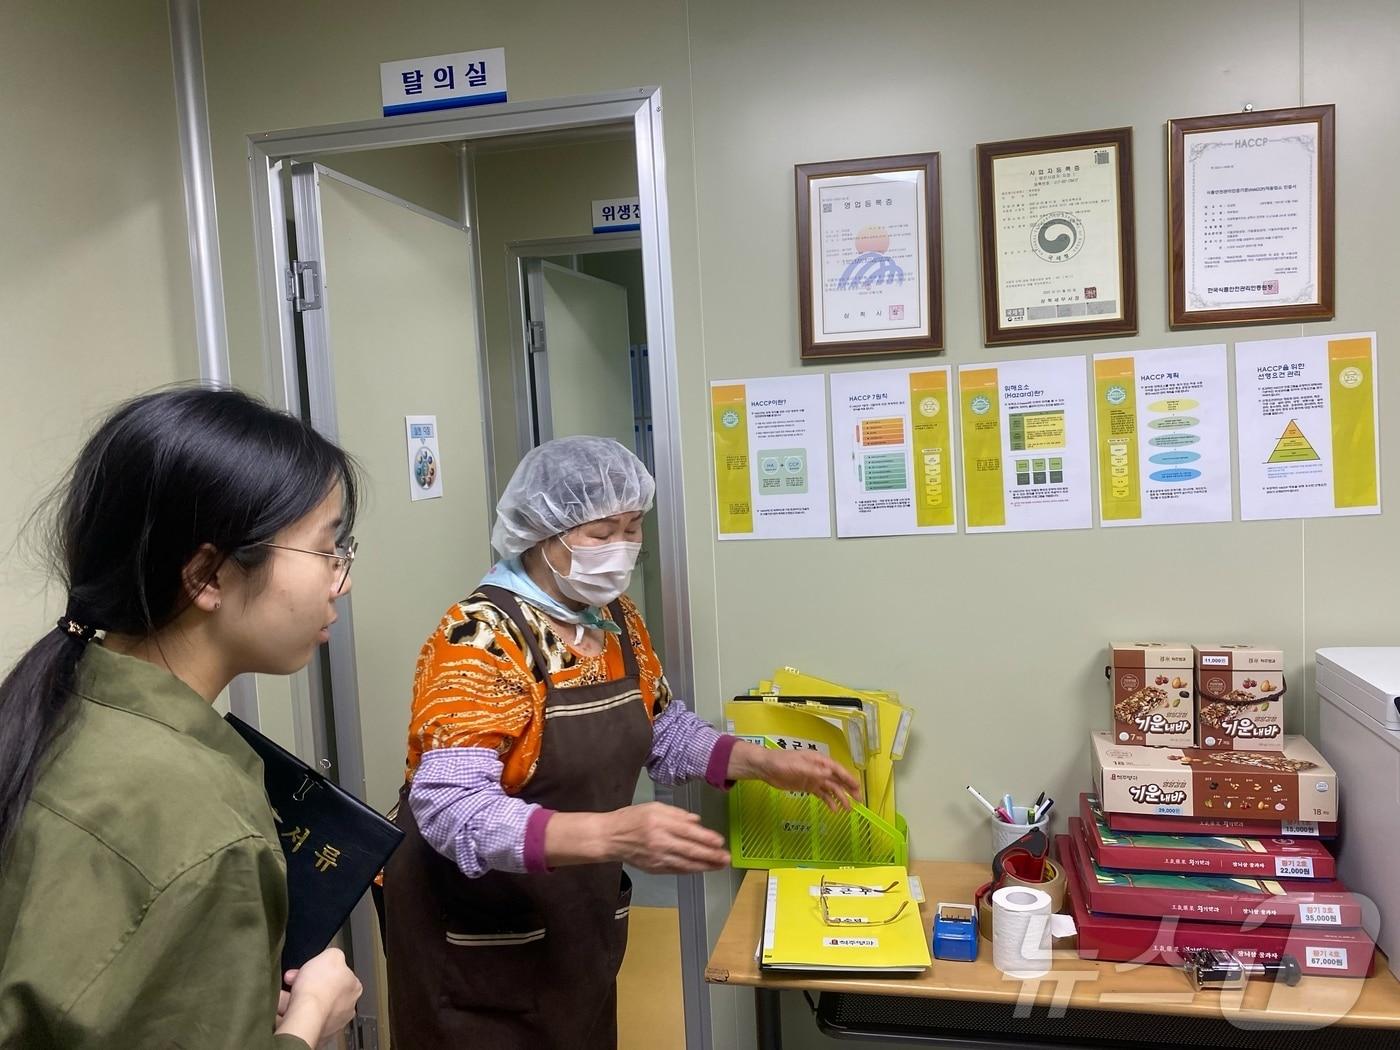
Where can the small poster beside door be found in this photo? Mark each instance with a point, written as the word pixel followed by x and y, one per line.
pixel 424 460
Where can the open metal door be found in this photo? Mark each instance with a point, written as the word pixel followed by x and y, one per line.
pixel 581 354
pixel 384 290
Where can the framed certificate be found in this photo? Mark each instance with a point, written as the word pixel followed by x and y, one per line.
pixel 1057 237
pixel 870 256
pixel 1252 217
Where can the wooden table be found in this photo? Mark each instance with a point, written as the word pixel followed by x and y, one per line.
pixel 1079 1000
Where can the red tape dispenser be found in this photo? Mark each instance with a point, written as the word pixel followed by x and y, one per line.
pixel 1026 862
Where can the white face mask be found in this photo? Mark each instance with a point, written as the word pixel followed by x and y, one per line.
pixel 598 574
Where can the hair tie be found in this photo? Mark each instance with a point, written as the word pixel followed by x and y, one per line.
pixel 71 628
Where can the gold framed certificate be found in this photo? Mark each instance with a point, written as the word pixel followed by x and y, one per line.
pixel 1057 237
pixel 1252 217
pixel 870 256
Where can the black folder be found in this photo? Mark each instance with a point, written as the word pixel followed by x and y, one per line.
pixel 335 846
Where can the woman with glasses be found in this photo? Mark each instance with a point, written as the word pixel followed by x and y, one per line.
pixel 143 893
pixel 537 702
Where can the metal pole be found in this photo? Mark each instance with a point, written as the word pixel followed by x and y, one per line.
pixel 197 168
pixel 192 116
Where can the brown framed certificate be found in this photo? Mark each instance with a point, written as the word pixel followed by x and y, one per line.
pixel 870 256
pixel 1057 237
pixel 1252 217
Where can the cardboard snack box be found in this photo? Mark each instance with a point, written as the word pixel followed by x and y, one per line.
pixel 1239 697
pixel 1292 784
pixel 1152 686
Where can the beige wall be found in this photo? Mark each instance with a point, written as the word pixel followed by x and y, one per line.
pixel 95 299
pixel 529 195
pixel 1002 661
pixel 1351 576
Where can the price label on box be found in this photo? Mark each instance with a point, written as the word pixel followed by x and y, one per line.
pixel 1293 867
pixel 1320 914
pixel 1327 958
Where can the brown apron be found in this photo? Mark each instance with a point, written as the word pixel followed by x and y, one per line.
pixel 523 961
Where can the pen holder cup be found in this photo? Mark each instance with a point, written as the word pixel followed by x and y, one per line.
pixel 1004 834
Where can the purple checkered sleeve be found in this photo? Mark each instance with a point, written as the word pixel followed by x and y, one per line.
pixel 683 747
pixel 465 814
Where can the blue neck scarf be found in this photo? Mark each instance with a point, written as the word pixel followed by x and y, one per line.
pixel 510 575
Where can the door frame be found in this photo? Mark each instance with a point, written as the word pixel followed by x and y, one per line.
pixel 641 109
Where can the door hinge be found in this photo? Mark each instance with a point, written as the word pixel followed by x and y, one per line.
pixel 304 286
pixel 367 1033
pixel 535 336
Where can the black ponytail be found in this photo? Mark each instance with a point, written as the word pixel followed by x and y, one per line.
pixel 164 475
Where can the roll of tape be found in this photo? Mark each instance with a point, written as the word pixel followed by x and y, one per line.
pixel 1054 885
pixel 1021 931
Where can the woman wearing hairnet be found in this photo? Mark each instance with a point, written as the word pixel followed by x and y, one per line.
pixel 537 702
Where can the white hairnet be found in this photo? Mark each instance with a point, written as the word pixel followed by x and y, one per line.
pixel 565 483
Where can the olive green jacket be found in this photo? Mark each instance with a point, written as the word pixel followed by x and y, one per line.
pixel 144 899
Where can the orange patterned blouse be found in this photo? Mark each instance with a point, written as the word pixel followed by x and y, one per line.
pixel 476 684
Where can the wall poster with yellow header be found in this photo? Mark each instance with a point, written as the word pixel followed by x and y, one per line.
pixel 1025 445
pixel 770 457
pixel 1163 436
pixel 892 443
pixel 1309 443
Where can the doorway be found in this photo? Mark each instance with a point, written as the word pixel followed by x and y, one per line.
pixel 388 297
pixel 579 337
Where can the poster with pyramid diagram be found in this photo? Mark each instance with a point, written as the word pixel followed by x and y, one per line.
pixel 1309 427
pixel 1293 447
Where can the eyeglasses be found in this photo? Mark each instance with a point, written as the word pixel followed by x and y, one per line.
pixel 344 557
pixel 827 890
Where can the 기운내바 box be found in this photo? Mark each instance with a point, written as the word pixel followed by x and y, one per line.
pixel 1153 690
pixel 1239 697
pixel 1292 783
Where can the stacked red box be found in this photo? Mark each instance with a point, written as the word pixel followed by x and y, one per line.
pixel 1320 951
pixel 1148 897
pixel 1159 825
pixel 1250 855
pixel 1210 898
